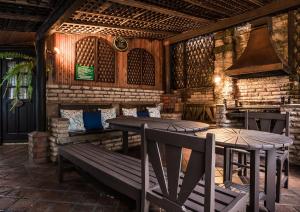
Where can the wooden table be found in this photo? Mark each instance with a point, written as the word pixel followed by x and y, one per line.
pixel 132 124
pixel 254 142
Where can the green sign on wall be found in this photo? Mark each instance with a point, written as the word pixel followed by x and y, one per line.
pixel 84 72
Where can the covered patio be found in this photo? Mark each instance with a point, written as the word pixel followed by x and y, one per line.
pixel 102 100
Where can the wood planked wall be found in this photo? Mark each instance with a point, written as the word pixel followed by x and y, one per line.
pixel 63 72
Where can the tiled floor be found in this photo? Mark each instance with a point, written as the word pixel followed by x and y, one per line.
pixel 28 187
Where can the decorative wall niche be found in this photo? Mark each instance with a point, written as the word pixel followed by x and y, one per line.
pixel 141 67
pixel 96 52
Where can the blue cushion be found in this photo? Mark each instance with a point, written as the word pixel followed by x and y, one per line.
pixel 92 120
pixel 142 114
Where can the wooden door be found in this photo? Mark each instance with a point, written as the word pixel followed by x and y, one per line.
pixel 17 123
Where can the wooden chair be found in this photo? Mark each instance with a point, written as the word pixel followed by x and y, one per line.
pixel 268 122
pixel 183 191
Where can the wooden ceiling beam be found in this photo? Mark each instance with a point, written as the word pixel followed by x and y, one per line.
pixel 22 17
pixel 158 9
pixel 256 2
pixel 25 3
pixel 269 9
pixel 105 6
pixel 57 17
pixel 89 24
pixel 200 4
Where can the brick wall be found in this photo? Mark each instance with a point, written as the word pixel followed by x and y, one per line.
pixel 267 90
pixel 171 102
pixel 88 94
pixel 205 96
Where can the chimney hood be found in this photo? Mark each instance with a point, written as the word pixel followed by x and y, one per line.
pixel 259 57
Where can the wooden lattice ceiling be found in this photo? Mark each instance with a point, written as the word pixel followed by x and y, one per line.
pixel 156 19
pixel 24 15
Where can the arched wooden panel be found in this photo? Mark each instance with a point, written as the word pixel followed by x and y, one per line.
pixel 141 67
pixel 86 51
pixel 94 51
pixel 106 68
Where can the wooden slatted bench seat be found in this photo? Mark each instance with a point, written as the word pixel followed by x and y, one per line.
pixel 123 174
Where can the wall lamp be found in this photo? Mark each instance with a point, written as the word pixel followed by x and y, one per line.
pixel 54 52
pixel 217 79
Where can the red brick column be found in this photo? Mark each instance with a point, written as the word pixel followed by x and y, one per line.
pixel 38 147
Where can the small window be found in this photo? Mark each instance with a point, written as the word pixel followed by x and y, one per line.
pixel 24 80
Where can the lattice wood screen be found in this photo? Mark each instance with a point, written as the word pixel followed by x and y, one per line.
pixel 141 67
pixel 93 51
pixel 86 51
pixel 193 63
pixel 179 75
pixel 105 62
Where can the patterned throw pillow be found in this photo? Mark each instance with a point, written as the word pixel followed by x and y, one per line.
pixel 109 113
pixel 154 112
pixel 75 119
pixel 129 112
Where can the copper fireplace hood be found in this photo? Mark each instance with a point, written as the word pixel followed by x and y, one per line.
pixel 259 58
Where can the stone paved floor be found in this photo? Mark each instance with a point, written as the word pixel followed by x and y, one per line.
pixel 28 187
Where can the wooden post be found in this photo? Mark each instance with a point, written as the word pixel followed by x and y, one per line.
pixel 291 41
pixel 40 84
pixel 167 68
pixel 62 12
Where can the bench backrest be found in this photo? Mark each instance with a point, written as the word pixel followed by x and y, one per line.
pixel 84 107
pixel 175 192
pixel 268 122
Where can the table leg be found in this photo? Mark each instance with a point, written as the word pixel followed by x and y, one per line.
pixel 254 180
pixel 227 167
pixel 125 141
pixel 270 183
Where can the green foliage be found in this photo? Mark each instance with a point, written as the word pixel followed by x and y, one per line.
pixel 19 71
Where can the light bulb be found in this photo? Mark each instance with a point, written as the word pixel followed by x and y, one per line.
pixel 217 79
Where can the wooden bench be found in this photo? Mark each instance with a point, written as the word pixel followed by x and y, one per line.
pixel 123 174
pixel 106 137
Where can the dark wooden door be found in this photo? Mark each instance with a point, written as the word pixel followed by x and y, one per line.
pixel 17 123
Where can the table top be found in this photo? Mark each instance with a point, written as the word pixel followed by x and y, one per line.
pixel 157 123
pixel 248 139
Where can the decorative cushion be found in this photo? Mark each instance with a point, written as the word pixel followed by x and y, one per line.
pixel 129 112
pixel 109 113
pixel 154 112
pixel 75 119
pixel 92 120
pixel 143 114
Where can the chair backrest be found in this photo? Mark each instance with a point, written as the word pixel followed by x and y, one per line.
pixel 175 185
pixel 268 122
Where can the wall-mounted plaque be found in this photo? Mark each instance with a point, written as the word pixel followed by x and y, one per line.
pixel 84 72
pixel 120 43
